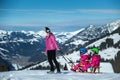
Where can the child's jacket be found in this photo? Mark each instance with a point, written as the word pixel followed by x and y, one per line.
pixel 84 63
pixel 95 62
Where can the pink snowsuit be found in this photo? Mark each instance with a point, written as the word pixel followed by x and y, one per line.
pixel 51 43
pixel 95 62
pixel 84 63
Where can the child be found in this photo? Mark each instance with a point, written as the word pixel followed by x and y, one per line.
pixel 83 65
pixel 95 62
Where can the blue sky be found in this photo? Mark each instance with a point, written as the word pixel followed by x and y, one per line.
pixel 59 15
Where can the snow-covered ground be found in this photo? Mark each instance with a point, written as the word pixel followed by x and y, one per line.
pixel 65 75
pixel 105 66
pixel 106 70
pixel 110 52
pixel 115 37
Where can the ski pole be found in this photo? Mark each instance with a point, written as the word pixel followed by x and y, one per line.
pixel 67 60
pixel 71 61
pixel 64 57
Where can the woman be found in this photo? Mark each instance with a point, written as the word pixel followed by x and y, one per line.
pixel 51 47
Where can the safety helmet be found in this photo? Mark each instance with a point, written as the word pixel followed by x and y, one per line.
pixel 83 50
pixel 96 50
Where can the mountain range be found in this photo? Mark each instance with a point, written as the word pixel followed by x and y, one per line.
pixel 22 48
pixel 109 46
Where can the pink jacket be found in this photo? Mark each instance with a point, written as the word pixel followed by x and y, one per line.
pixel 84 63
pixel 51 43
pixel 85 57
pixel 95 60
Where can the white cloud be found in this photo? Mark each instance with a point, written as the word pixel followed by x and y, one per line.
pixel 68 23
pixel 103 11
pixel 51 17
pixel 72 11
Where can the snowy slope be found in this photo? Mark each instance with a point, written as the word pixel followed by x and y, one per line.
pixel 12 41
pixel 66 75
pixel 110 52
pixel 12 46
pixel 61 37
pixel 1 53
pixel 105 66
pixel 113 26
pixel 92 32
pixel 115 37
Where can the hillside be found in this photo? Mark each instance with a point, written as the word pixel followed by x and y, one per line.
pixel 109 51
pixel 110 48
pixel 23 48
pixel 88 35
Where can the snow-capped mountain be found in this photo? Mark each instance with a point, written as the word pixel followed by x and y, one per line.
pixel 62 37
pixel 26 47
pixel 20 46
pixel 113 26
pixel 88 34
pixel 92 32
pixel 110 52
pixel 109 46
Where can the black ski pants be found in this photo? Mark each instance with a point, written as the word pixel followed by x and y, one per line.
pixel 52 60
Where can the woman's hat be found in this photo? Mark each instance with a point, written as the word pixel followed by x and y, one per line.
pixel 46 28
